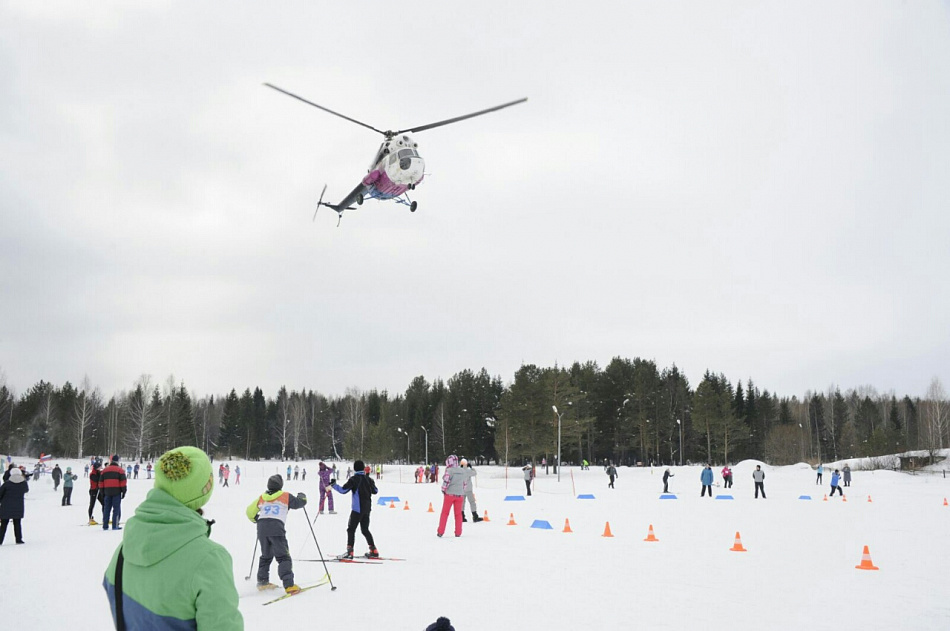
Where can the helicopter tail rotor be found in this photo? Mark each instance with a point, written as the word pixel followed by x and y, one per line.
pixel 320 203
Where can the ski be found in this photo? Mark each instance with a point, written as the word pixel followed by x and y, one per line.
pixel 382 558
pixel 302 590
pixel 339 560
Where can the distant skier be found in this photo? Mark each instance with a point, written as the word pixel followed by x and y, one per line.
pixel 363 488
pixel 706 477
pixel 820 471
pixel 612 473
pixel 237 475
pixel 296 472
pixel 68 480
pixel 135 471
pixel 95 493
pixel 847 475
pixel 227 474
pixel 57 476
pixel 758 476
pixel 726 477
pixel 326 496
pixel 666 477
pixel 269 511
pixel 289 472
pixel 527 477
pixel 835 479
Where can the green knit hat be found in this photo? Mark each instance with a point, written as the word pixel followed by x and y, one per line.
pixel 185 474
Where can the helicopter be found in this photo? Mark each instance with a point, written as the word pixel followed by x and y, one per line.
pixel 397 166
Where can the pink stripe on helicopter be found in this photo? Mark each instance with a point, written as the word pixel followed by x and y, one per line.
pixel 381 182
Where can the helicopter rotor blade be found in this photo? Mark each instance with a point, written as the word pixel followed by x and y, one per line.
pixel 329 111
pixel 458 118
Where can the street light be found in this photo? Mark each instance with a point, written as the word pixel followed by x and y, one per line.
pixel 681 441
pixel 401 431
pixel 427 444
pixel 558 462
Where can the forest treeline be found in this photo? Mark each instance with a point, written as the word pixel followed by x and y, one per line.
pixel 629 412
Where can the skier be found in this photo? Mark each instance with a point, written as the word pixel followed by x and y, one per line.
pixel 726 477
pixel 470 493
pixel 237 475
pixel 666 480
pixel 612 473
pixel 820 471
pixel 326 496
pixel 527 477
pixel 455 483
pixel 847 475
pixel 270 510
pixel 296 472
pixel 95 493
pixel 11 503
pixel 706 477
pixel 128 472
pixel 172 575
pixel 135 471
pixel 835 479
pixel 289 472
pixel 85 472
pixel 148 470
pixel 758 476
pixel 221 473
pixel 363 488
pixel 68 486
pixel 303 475
pixel 112 483
pixel 227 473
pixel 57 476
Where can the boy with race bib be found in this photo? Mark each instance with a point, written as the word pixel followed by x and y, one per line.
pixel 270 512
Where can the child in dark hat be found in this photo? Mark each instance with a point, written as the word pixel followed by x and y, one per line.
pixel 363 488
pixel 270 510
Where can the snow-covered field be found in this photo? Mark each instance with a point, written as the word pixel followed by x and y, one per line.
pixel 799 571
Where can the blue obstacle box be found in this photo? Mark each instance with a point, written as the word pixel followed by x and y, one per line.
pixel 804 497
pixel 667 496
pixel 586 496
pixel 724 497
pixel 514 498
pixel 387 500
pixel 543 525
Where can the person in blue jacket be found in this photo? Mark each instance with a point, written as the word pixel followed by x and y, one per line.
pixel 706 477
pixel 835 479
pixel 363 488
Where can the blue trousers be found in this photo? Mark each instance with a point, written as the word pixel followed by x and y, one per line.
pixel 111 504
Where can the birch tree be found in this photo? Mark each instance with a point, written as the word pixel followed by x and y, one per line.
pixel 85 409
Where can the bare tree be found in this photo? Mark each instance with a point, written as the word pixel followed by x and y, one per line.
pixel 141 416
pixel 354 419
pixel 298 421
pixel 938 410
pixel 87 405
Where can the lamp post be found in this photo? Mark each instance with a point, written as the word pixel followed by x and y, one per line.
pixel 558 461
pixel 681 441
pixel 427 444
pixel 402 431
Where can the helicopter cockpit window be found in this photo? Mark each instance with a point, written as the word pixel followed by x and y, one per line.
pixel 407 153
pixel 393 158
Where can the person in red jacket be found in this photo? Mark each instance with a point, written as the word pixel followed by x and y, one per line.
pixel 94 489
pixel 112 482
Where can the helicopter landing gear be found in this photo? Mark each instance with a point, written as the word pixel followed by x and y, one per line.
pixel 412 187
pixel 359 199
pixel 413 206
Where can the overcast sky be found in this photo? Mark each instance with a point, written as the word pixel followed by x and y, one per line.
pixel 757 188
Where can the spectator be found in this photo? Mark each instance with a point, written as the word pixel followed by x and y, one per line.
pixel 612 473
pixel 11 503
pixel 57 476
pixel 112 483
pixel 706 477
pixel 454 485
pixel 847 475
pixel 527 477
pixel 68 480
pixel 726 477
pixel 666 477
pixel 470 493
pixel 758 476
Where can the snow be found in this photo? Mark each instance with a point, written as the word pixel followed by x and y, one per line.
pixel 799 571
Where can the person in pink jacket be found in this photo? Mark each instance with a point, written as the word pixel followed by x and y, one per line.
pixel 455 484
pixel 325 475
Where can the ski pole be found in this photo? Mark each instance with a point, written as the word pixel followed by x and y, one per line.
pixel 253 556
pixel 319 551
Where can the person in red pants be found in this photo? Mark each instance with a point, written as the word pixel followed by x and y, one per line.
pixel 455 484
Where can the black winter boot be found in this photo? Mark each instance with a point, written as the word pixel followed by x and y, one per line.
pixel 475 517
pixel 463 517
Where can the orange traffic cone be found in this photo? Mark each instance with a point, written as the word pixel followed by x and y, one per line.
pixel 406 507
pixel 737 546
pixel 844 498
pixel 430 508
pixel 567 526
pixel 866 561
pixel 945 502
pixel 511 519
pixel 650 536
pixel 607 532
pixel 826 498
pixel 869 498
pixel 485 518
pixel 392 504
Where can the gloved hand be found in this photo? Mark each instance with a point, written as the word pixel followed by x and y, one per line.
pixel 332 482
pixel 255 517
pixel 123 494
pixel 302 497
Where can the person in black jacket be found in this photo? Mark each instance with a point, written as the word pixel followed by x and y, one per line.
pixel 666 480
pixel 363 488
pixel 11 503
pixel 112 484
pixel 94 493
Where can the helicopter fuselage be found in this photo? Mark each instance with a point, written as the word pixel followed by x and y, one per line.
pixel 396 168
